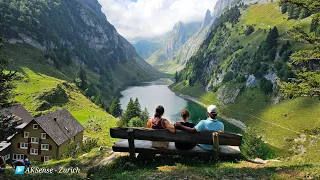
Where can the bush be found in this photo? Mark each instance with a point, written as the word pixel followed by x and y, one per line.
pixel 252 145
pixel 89 144
pixel 136 122
pixel 228 77
pixel 249 30
pixel 266 86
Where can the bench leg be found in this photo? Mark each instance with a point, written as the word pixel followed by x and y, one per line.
pixel 215 138
pixel 131 144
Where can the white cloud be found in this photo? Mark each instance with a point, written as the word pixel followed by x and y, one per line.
pixel 146 18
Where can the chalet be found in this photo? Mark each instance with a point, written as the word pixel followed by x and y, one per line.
pixel 42 138
pixel 46 137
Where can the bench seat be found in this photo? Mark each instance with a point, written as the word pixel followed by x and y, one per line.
pixel 145 146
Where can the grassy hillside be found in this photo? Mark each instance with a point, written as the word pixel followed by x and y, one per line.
pixel 42 89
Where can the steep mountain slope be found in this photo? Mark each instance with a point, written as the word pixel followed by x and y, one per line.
pixel 71 34
pixel 237 67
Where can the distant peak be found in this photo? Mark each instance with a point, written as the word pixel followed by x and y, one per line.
pixel 207 19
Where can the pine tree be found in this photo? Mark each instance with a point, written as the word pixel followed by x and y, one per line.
pixel 137 108
pixel 284 8
pixel 145 115
pixel 176 77
pixel 304 13
pixel 305 62
pixel 5 81
pixel 115 108
pixel 315 23
pixel 272 38
pixel 81 81
pixel 291 9
pixel 128 114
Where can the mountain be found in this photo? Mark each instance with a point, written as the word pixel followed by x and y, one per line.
pixel 163 46
pixel 73 34
pixel 240 66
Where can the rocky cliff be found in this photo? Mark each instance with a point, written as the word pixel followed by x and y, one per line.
pixel 77 26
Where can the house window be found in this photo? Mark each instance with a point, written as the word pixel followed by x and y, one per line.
pixel 46 158
pixel 34 140
pixel 35 126
pixel 18 156
pixel 78 145
pixel 26 134
pixel 43 136
pixel 7 157
pixel 34 151
pixel 23 145
pixel 72 139
pixel 45 147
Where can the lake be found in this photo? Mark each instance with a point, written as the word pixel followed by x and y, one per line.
pixel 152 94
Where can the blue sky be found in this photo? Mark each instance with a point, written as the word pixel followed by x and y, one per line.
pixel 147 18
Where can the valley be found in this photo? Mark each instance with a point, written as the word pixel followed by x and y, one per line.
pixel 257 60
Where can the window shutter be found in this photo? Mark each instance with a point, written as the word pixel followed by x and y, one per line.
pixel 18 145
pixel 42 159
pixel 29 147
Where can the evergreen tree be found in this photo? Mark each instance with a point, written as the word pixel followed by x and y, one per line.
pixel 128 114
pixel 5 80
pixel 315 23
pixel 6 128
pixel 284 8
pixel 291 9
pixel 272 38
pixel 81 81
pixel 145 115
pixel 304 13
pixel 137 108
pixel 115 108
pixel 176 77
pixel 305 62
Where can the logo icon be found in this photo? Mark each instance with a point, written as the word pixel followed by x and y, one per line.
pixel 19 170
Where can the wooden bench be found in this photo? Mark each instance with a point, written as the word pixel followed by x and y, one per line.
pixel 139 140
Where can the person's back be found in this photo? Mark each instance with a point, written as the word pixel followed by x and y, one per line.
pixel 209 125
pixel 185 115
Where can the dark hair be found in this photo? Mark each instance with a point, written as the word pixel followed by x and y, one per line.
pixel 159 112
pixel 212 115
pixel 185 114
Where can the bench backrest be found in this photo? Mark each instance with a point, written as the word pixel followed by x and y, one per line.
pixel 204 137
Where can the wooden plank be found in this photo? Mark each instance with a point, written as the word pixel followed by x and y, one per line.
pixel 204 137
pixel 131 144
pixel 215 139
pixel 145 146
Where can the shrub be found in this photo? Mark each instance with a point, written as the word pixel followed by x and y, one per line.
pixel 136 122
pixel 252 145
pixel 266 86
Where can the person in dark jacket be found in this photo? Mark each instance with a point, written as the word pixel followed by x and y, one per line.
pixel 185 116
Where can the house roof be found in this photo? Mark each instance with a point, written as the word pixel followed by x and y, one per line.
pixel 18 111
pixel 4 145
pixel 60 125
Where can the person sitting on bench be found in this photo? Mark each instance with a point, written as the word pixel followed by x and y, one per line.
pixel 185 115
pixel 160 123
pixel 210 124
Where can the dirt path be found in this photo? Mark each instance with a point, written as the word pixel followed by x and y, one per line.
pixel 112 156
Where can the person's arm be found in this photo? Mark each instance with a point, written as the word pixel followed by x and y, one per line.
pixel 169 126
pixel 185 128
pixel 149 123
pixel 4 162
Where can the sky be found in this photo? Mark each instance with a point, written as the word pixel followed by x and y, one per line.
pixel 149 18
